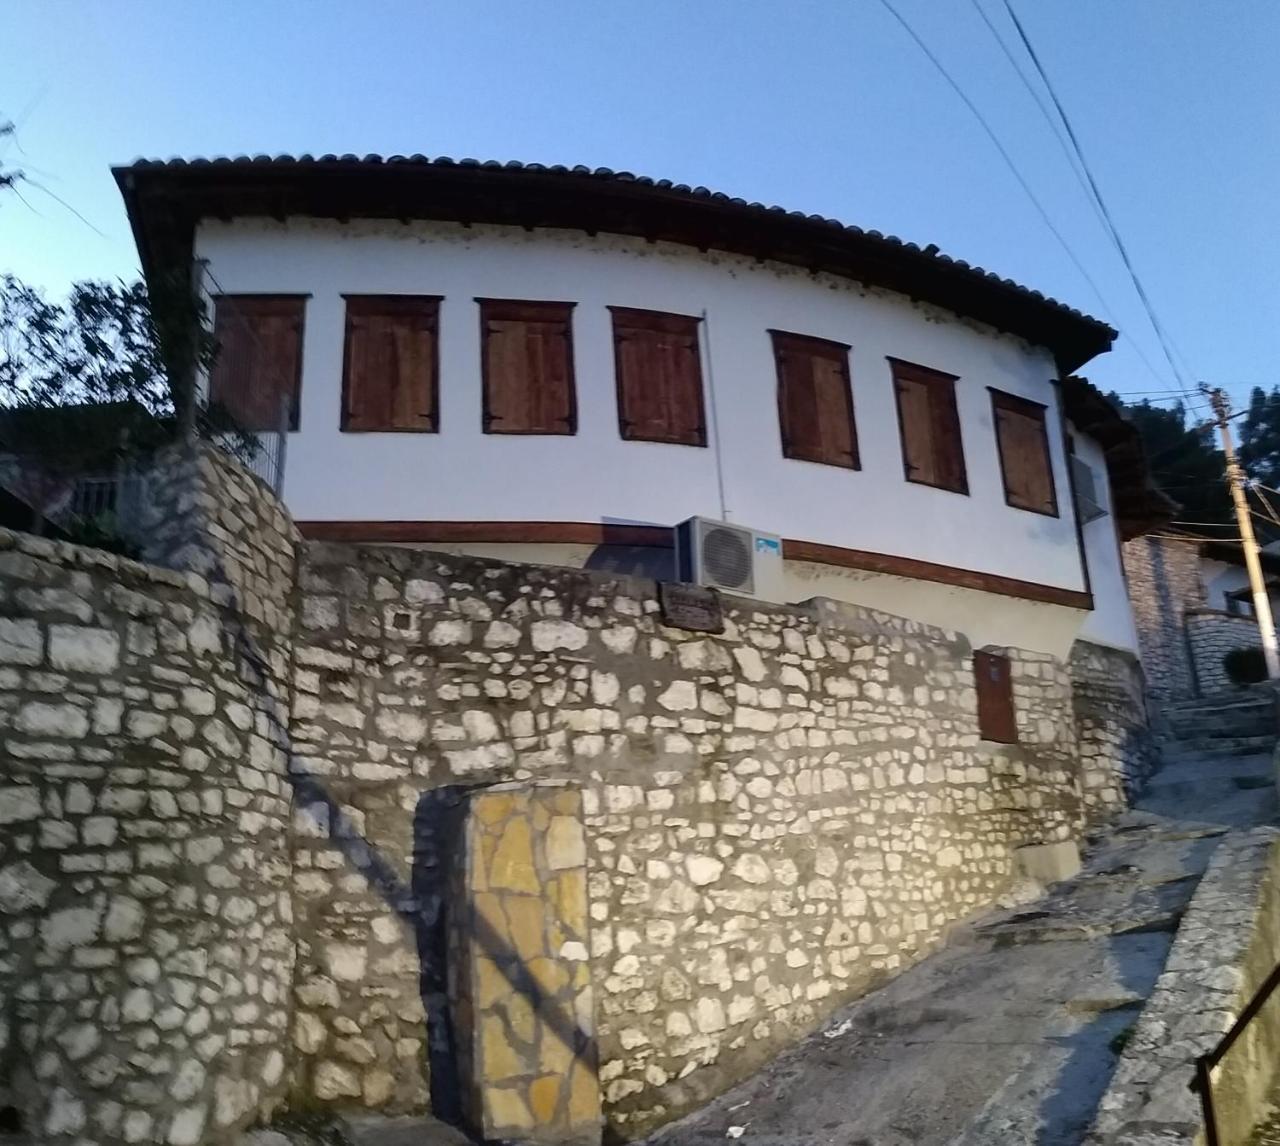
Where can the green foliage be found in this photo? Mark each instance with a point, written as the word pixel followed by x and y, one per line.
pixel 1260 437
pixel 1245 665
pixel 1184 460
pixel 99 346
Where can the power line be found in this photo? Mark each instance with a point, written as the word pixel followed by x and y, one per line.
pixel 1166 342
pixel 1004 154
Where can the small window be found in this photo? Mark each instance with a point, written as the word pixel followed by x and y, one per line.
pixel 527 363
pixel 994 680
pixel 929 426
pixel 815 400
pixel 659 373
pixel 390 365
pixel 257 373
pixel 1240 603
pixel 1025 464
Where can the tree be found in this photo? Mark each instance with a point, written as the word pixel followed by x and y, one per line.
pixel 9 177
pixel 88 383
pixel 100 346
pixel 1184 461
pixel 1260 437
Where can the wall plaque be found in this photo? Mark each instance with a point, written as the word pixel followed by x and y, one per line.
pixel 690 607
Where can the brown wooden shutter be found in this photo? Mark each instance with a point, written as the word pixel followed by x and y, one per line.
pixel 527 362
pixel 258 366
pixel 815 400
pixel 929 427
pixel 1025 463
pixel 659 376
pixel 390 373
pixel 993 677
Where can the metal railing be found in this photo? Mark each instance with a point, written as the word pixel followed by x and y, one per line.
pixel 1202 1084
pixel 261 451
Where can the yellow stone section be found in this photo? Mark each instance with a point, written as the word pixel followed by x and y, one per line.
pixel 491 808
pixel 550 975
pixel 501 1059
pixel 555 1056
pixel 511 868
pixel 566 845
pixel 544 1097
pixel 507 1110
pixel 521 1017
pixel 491 984
pixel 527 923
pixel 571 901
pixel 584 1096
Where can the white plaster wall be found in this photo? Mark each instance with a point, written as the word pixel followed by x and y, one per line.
pixel 1221 578
pixel 1111 622
pixel 463 474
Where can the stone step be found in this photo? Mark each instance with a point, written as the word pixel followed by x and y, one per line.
pixel 1219 746
pixel 1256 723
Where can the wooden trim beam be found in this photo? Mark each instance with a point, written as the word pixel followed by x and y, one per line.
pixel 601 533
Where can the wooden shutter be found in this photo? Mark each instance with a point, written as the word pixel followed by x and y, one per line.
pixel 929 426
pixel 994 679
pixel 390 370
pixel 527 362
pixel 815 400
pixel 659 375
pixel 258 367
pixel 1025 464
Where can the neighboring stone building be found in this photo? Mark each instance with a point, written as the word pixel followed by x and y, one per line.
pixel 1192 605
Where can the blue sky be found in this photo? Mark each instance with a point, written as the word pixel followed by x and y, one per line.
pixel 818 105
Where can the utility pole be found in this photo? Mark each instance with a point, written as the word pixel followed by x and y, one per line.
pixel 1249 543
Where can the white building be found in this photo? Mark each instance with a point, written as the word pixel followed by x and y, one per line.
pixel 558 366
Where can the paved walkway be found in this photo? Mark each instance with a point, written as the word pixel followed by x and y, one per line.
pixel 1008 1035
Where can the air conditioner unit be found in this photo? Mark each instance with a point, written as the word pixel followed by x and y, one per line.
pixel 730 558
pixel 1089 505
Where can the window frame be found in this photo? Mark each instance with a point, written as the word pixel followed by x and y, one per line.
pixel 262 297
pixel 828 348
pixel 405 301
pixel 657 318
pixel 1039 412
pixel 535 310
pixel 937 382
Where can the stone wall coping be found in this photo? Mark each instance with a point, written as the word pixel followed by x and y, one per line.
pixel 1202 988
pixel 126 570
pixel 1206 611
pixel 826 612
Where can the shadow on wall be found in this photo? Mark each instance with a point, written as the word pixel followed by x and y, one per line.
pixel 422 905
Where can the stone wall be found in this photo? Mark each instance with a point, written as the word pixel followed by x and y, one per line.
pixel 1211 634
pixel 777 818
pixel 1164 581
pixel 1224 950
pixel 146 952
pixel 1117 751
pixel 371 826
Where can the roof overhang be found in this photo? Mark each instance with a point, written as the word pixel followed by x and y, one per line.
pixel 166 199
pixel 1138 504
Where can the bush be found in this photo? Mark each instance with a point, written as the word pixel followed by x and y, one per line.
pixel 1246 665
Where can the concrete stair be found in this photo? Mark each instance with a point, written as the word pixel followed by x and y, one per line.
pixel 1229 724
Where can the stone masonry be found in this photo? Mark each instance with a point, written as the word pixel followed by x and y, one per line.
pixel 1117 751
pixel 776 818
pixel 1211 634
pixel 1164 581
pixel 264 828
pixel 146 953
